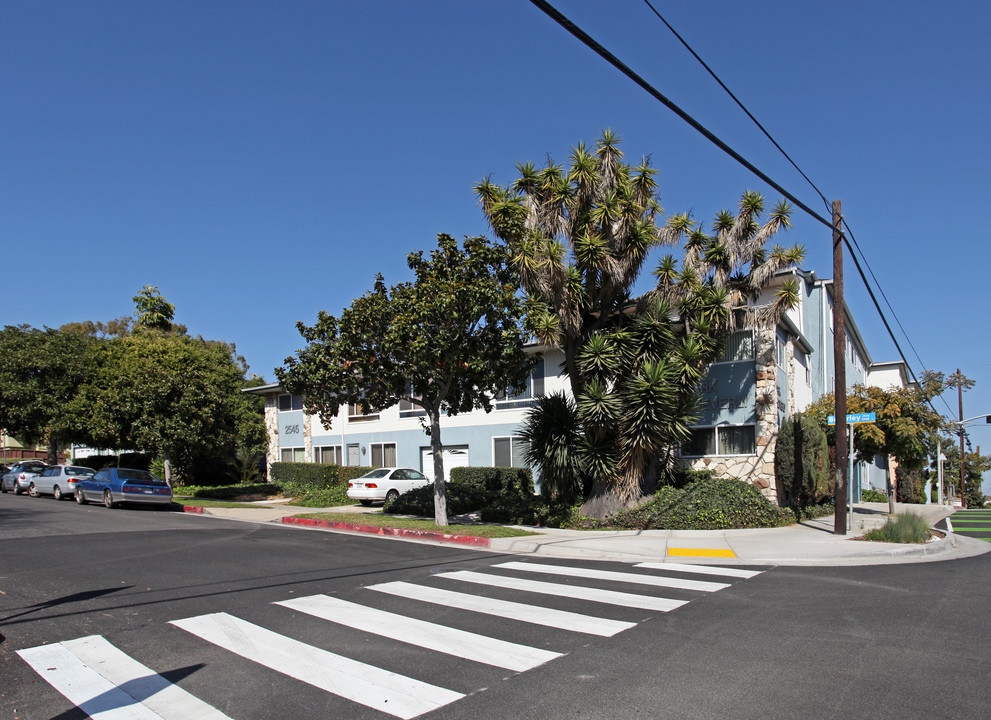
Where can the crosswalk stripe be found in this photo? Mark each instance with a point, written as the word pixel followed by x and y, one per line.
pixel 460 643
pixel 610 597
pixel 535 614
pixel 700 569
pixel 593 574
pixel 83 686
pixel 365 684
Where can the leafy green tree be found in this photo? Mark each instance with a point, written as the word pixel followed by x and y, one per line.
pixel 40 373
pixel 801 462
pixel 579 237
pixel 907 426
pixel 173 396
pixel 974 471
pixel 447 342
pixel 153 311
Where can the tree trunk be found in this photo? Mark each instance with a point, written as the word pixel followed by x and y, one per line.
pixel 52 456
pixel 437 448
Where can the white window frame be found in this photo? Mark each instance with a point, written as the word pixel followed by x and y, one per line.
pixel 508 399
pixel 753 349
pixel 359 416
pixel 293 450
pixel 513 439
pixel 383 446
pixel 716 429
pixel 336 450
pixel 292 402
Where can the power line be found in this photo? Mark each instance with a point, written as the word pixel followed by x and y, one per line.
pixel 593 45
pixel 564 22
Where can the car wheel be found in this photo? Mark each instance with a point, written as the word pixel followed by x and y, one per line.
pixel 391 496
pixel 3 488
pixel 57 492
pixel 108 500
pixel 17 488
pixel 80 498
pixel 32 490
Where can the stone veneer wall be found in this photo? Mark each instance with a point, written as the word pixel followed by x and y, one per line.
pixel 272 430
pixel 758 469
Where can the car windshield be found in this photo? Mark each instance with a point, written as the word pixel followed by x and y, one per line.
pixel 380 473
pixel 74 471
pixel 138 476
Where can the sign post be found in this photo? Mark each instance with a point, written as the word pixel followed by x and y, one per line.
pixel 852 420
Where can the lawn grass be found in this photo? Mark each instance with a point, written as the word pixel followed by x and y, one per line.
pixel 203 502
pixel 377 520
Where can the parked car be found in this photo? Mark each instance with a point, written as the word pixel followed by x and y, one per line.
pixel 385 484
pixel 20 476
pixel 113 486
pixel 59 480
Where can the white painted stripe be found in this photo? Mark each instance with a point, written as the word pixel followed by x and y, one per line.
pixel 460 643
pixel 365 684
pixel 593 574
pixel 535 614
pixel 148 687
pixel 610 597
pixel 949 525
pixel 83 686
pixel 700 569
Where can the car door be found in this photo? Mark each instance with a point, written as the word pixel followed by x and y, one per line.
pixel 45 482
pixel 96 486
pixel 416 479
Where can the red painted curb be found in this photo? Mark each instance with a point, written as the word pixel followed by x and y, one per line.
pixel 192 509
pixel 394 532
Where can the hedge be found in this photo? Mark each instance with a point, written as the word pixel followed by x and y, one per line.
pixel 469 490
pixel 713 504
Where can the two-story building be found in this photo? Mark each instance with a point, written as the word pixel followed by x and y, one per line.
pixel 765 374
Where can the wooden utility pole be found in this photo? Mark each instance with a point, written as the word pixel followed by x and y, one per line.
pixel 839 370
pixel 963 458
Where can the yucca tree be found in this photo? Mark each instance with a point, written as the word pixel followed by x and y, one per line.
pixel 579 237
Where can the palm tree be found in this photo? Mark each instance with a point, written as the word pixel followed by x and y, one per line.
pixel 579 238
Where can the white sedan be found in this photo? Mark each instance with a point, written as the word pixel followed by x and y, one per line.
pixel 385 484
pixel 60 480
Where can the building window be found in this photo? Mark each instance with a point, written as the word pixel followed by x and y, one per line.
pixel 361 413
pixel 509 452
pixel 407 409
pixel 383 454
pixel 525 396
pixel 327 454
pixel 288 403
pixel 780 347
pixel 292 455
pixel 721 440
pixel 739 345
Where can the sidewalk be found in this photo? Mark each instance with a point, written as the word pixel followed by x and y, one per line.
pixel 810 542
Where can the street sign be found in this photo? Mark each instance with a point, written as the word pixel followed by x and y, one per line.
pixel 854 418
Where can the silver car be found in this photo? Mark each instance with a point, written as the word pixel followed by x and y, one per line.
pixel 59 481
pixel 21 475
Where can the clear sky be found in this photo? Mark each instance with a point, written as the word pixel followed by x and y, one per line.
pixel 261 161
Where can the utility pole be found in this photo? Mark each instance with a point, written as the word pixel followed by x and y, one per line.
pixel 963 458
pixel 839 368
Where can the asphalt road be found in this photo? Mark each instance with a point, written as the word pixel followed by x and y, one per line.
pixel 904 641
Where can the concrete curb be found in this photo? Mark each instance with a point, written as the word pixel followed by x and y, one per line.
pixel 480 542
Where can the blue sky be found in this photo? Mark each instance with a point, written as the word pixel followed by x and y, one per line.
pixel 261 161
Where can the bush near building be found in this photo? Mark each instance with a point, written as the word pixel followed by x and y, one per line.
pixel 801 463
pixel 470 489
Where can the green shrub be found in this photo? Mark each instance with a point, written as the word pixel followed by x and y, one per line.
pixel 533 510
pixel 326 497
pixel 304 475
pixel 469 490
pixel 712 504
pixel 873 496
pixel 910 485
pixel 801 462
pixel 808 512
pixel 907 528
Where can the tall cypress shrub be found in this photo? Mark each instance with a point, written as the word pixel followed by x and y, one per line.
pixel 801 462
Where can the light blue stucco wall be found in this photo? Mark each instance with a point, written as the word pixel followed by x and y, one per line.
pixel 291 429
pixel 728 394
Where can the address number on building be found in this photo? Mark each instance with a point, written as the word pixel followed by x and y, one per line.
pixel 290 430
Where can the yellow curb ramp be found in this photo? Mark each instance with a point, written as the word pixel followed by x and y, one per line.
pixel 701 552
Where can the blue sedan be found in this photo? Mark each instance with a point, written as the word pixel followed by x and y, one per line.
pixel 113 486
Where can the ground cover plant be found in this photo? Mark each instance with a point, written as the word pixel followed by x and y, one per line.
pixel 906 528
